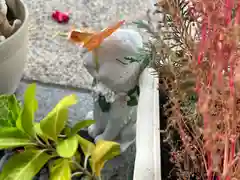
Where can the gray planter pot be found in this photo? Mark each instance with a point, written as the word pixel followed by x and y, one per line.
pixel 13 50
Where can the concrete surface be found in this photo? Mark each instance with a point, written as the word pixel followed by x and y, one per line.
pixel 55 60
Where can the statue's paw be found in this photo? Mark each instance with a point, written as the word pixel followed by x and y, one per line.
pixel 93 131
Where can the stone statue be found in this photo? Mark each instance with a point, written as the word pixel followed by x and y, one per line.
pixel 115 88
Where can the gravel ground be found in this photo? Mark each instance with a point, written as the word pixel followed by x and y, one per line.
pixel 55 60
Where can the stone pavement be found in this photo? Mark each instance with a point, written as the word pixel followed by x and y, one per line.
pixel 54 59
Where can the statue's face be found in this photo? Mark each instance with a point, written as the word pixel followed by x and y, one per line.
pixel 114 70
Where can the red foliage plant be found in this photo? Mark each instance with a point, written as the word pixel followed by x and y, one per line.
pixel 214 60
pixel 216 66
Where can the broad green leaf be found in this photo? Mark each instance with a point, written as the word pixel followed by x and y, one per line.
pixel 11 137
pixel 4 111
pixel 30 148
pixel 67 131
pixel 25 122
pixel 55 121
pixel 67 147
pixel 25 165
pixel 8 143
pixel 80 125
pixel 9 110
pixel 12 132
pixel 39 132
pixel 15 109
pixel 86 146
pixel 104 151
pixel 60 169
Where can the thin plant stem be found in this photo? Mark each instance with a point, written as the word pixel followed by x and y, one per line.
pixel 63 34
pixel 85 162
pixel 96 58
pixel 62 136
pixel 226 153
pixel 39 142
pixel 77 174
pixel 82 169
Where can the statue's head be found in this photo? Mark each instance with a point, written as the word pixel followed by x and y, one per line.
pixel 114 70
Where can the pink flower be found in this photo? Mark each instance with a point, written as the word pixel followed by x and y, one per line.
pixel 60 17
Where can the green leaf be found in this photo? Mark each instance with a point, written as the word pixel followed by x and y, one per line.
pixel 31 148
pixel 12 132
pixel 39 132
pixel 11 137
pixel 76 158
pixel 55 121
pixel 86 146
pixel 4 112
pixel 60 170
pixel 67 131
pixel 25 122
pixel 80 125
pixel 67 147
pixel 25 165
pixel 7 143
pixel 15 109
pixel 104 151
pixel 9 110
